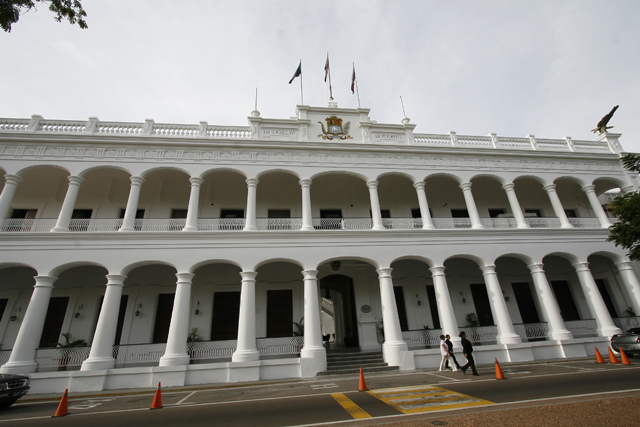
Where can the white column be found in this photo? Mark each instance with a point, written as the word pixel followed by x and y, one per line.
pixel 375 205
pixel 596 206
pixel 9 190
pixel 246 349
pixel 313 348
pixel 23 355
pixel 250 225
pixel 129 221
pixel 424 206
pixel 307 220
pixel 443 298
pixel 631 283
pixel 548 303
pixel 69 203
pixel 596 304
pixel 176 351
pixel 194 201
pixel 515 205
pixel 557 205
pixel 506 332
pixel 394 345
pixel 471 205
pixel 101 355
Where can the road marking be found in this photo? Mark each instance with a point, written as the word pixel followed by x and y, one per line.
pixel 446 378
pixel 186 397
pixel 412 400
pixel 354 410
pixel 573 367
pixel 321 386
pixel 513 371
pixel 88 404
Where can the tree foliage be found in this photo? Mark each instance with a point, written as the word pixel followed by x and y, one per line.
pixel 10 11
pixel 626 232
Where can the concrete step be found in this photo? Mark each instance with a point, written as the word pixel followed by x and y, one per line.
pixel 370 359
pixel 357 371
pixel 357 366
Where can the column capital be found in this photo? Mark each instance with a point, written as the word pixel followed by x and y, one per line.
pixel 372 184
pixel 623 265
pixel 488 269
pixel 588 188
pixel 252 182
pixel 305 183
pixel 418 185
pixel 384 272
pixel 248 275
pixel 137 180
pixel 196 181
pixel 437 270
pixel 45 281
pixel 536 268
pixel 310 274
pixel 508 187
pixel 465 186
pixel 581 266
pixel 549 188
pixel 15 179
pixel 116 279
pixel 75 180
pixel 185 277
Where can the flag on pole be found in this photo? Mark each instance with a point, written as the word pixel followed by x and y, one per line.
pixel 326 68
pixel 353 79
pixel 297 73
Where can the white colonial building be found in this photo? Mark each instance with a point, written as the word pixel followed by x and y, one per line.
pixel 186 253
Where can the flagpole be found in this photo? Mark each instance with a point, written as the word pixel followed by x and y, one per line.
pixel 301 92
pixel 356 81
pixel 330 90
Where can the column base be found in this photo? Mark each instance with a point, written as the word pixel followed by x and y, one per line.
pixel 126 229
pixel 98 364
pixel 393 352
pixel 245 356
pixel 428 227
pixel 250 229
pixel 308 228
pixel 174 359
pixel 25 367
pixel 566 226
pixel 190 228
pixel 59 230
pixel 607 332
pixel 477 226
pixel 380 227
pixel 560 335
pixel 509 339
pixel 524 226
pixel 313 360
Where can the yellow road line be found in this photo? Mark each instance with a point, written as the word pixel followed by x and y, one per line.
pixel 354 410
pixel 411 400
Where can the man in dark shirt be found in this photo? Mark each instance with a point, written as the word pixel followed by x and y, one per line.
pixel 449 344
pixel 467 349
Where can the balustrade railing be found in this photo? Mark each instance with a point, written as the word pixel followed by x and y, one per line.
pixel 138 354
pixel 422 338
pixel 279 346
pixel 625 323
pixel 4 356
pixel 582 328
pixel 532 331
pixel 48 359
pixel 205 350
pixel 481 334
pixel 42 225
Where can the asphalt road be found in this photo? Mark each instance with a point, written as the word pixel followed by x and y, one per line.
pixel 391 398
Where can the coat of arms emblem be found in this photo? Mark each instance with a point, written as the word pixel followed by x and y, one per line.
pixel 335 129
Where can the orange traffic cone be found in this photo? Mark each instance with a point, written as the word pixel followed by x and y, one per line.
pixel 625 359
pixel 362 386
pixel 599 358
pixel 499 374
pixel 612 357
pixel 157 399
pixel 63 407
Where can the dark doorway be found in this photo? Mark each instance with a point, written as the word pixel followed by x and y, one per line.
pixel 279 313
pixel 482 304
pixel 53 321
pixel 231 213
pixel 525 302
pixel 3 306
pixel 163 317
pixel 402 309
pixel 328 219
pixel 602 287
pixel 226 312
pixel 344 286
pixel 567 305
pixel 433 305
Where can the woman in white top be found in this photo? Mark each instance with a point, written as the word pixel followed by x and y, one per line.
pixel 444 351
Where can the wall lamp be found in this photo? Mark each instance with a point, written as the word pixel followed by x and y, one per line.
pixel 505 296
pixel 418 298
pixel 14 315
pixel 464 300
pixel 198 308
pixel 138 310
pixel 80 307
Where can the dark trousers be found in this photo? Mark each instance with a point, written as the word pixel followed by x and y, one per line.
pixel 470 364
pixel 454 361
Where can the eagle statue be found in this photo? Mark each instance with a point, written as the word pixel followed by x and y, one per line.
pixel 602 124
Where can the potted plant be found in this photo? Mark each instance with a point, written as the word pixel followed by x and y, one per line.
pixel 65 354
pixel 192 337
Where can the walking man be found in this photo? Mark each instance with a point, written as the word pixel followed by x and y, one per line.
pixel 450 348
pixel 467 349
pixel 444 351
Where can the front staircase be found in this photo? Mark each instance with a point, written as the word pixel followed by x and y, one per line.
pixel 351 362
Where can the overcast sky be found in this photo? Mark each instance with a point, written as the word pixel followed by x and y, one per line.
pixel 549 68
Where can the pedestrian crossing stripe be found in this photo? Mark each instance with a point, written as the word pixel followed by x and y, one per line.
pixel 354 410
pixel 416 399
